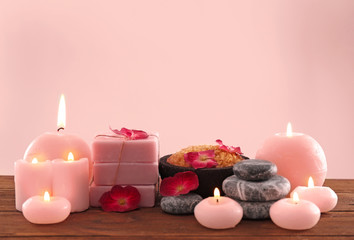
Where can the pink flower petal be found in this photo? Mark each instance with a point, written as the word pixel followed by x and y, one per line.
pixel 208 153
pixel 138 134
pixel 208 163
pixel 199 164
pixel 229 149
pixel 211 163
pixel 191 156
pixel 130 134
pixel 219 142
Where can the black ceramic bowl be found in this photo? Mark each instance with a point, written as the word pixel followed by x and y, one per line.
pixel 209 178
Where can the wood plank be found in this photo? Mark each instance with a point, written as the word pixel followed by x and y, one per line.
pixel 345 201
pixel 7 182
pixel 149 222
pixel 184 237
pixel 340 185
pixel 152 223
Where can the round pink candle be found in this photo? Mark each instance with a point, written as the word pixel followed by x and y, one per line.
pixel 46 210
pixel 294 214
pixel 70 181
pixel 55 145
pixel 297 156
pixel 324 197
pixel 31 179
pixel 218 212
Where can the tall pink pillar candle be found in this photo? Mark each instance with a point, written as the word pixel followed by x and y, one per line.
pixel 46 210
pixel 70 181
pixel 218 212
pixel 324 197
pixel 31 179
pixel 294 214
pixel 297 157
pixel 57 145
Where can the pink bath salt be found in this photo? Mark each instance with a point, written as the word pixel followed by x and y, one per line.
pixel 128 173
pixel 147 194
pixel 109 150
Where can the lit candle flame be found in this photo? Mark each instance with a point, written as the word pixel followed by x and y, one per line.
pixel 70 157
pixel 289 130
pixel 296 198
pixel 46 196
pixel 216 194
pixel 34 160
pixel 311 183
pixel 61 113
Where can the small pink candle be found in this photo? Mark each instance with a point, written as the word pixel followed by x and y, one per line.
pixel 57 145
pixel 297 156
pixel 294 214
pixel 218 212
pixel 324 197
pixel 46 209
pixel 31 179
pixel 70 181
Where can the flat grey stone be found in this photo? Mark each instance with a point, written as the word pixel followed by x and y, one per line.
pixel 272 189
pixel 256 210
pixel 182 204
pixel 255 170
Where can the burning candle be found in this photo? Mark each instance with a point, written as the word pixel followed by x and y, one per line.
pixel 54 145
pixel 31 179
pixel 324 197
pixel 45 209
pixel 218 212
pixel 70 181
pixel 294 214
pixel 296 155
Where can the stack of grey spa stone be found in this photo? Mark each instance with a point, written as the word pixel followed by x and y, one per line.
pixel 255 185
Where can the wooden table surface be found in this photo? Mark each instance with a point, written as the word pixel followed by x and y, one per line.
pixel 152 223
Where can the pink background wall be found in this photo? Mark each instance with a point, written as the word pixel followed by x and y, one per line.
pixel 194 71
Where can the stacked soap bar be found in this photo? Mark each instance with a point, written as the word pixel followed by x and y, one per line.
pixel 255 185
pixel 118 161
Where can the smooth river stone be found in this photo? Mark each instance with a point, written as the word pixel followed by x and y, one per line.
pixel 256 210
pixel 182 204
pixel 255 170
pixel 272 189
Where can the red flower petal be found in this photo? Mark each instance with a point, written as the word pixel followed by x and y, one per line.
pixel 130 134
pixel 138 134
pixel 229 149
pixel 120 199
pixel 107 203
pixel 180 183
pixel 189 178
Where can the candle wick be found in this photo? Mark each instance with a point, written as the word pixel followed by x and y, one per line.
pixel 61 128
pixel 217 200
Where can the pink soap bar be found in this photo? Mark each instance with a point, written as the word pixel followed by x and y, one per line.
pixel 147 194
pixel 128 173
pixel 109 149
